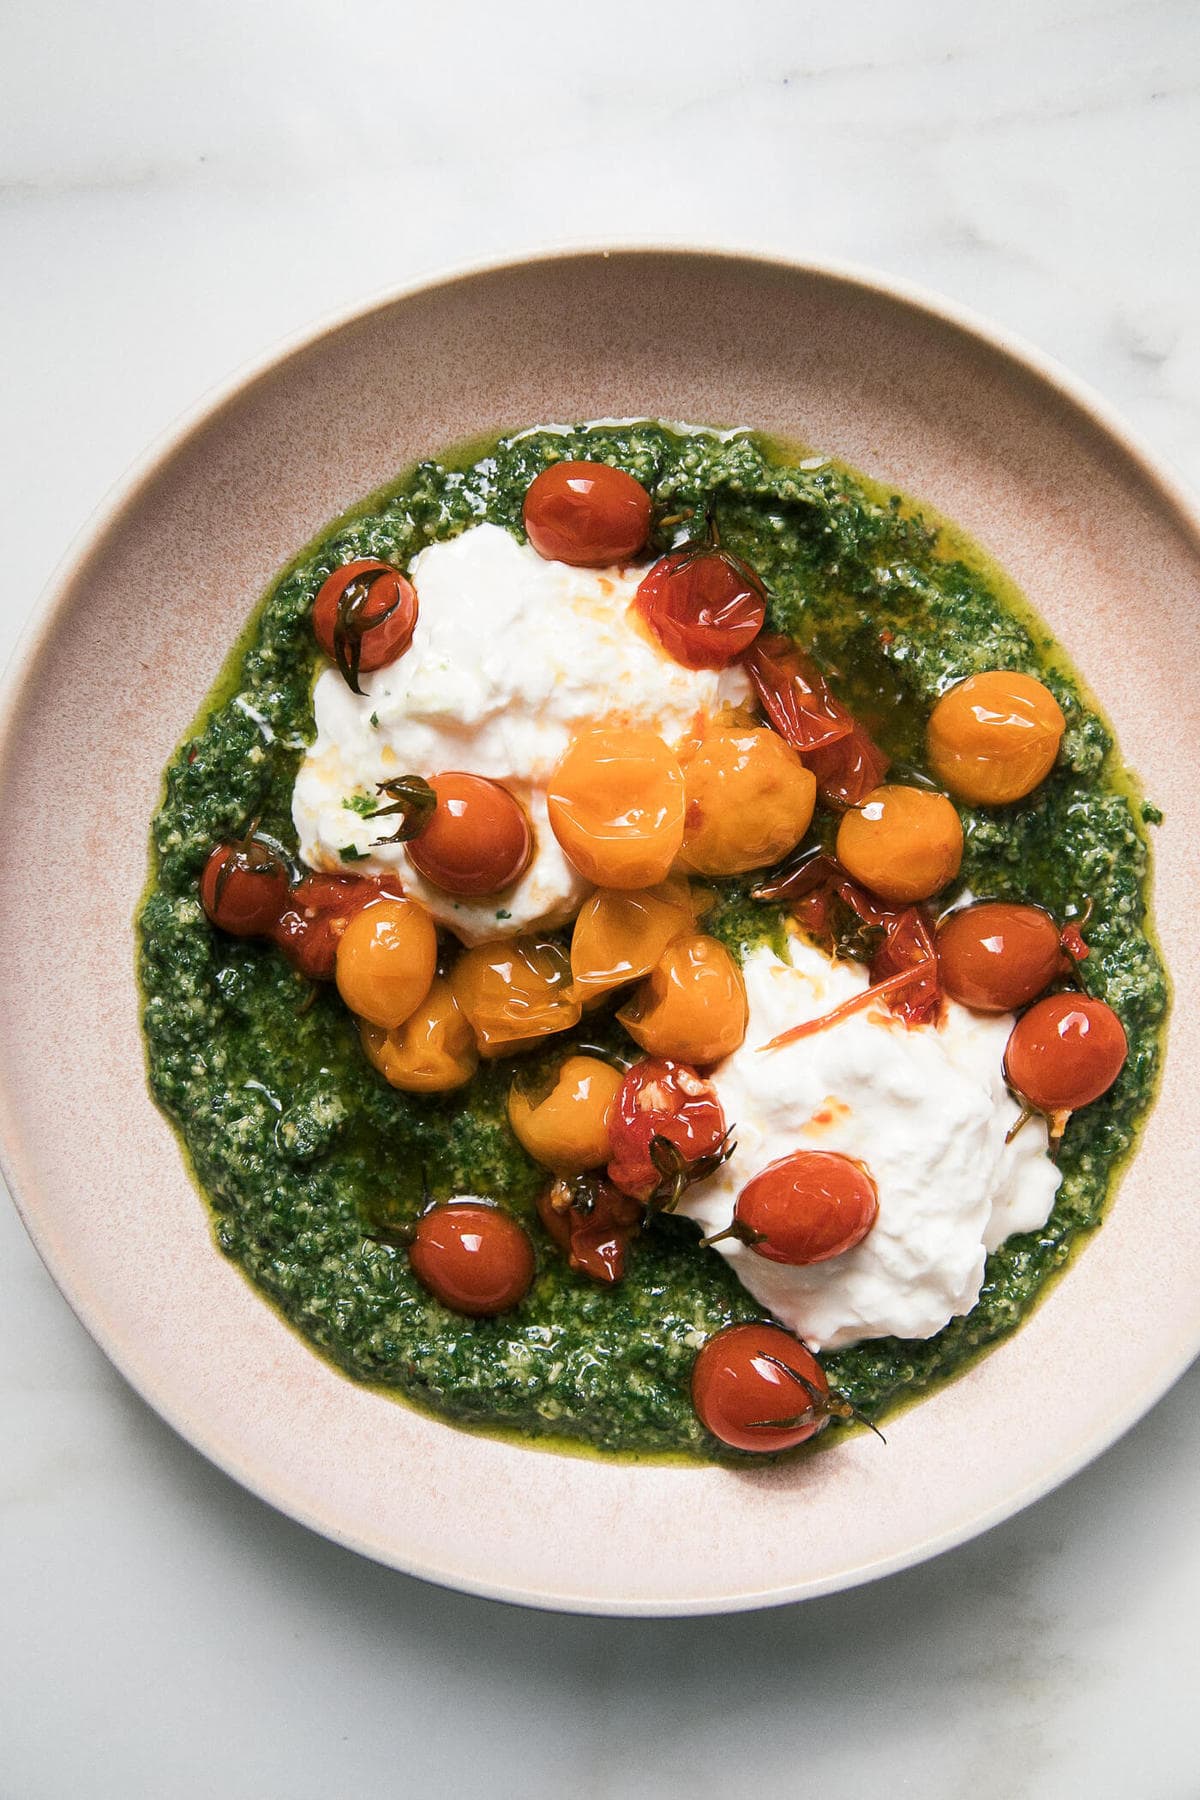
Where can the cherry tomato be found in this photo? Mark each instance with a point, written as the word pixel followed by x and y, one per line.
pixel 515 992
pixel 364 617
pixel 692 1005
pixel 748 801
pixel 386 961
pixel 755 1387
pixel 244 888
pixel 800 704
pixel 849 770
pixel 904 843
pixel 616 807
pixel 619 935
pixel 660 1099
pixel 587 514
pixel 472 1257
pixel 1064 1053
pixel 704 606
pixel 565 1127
pixel 477 840
pixel 997 956
pixel 433 1051
pixel 994 737
pixel 593 1224
pixel 806 1208
pixel 310 927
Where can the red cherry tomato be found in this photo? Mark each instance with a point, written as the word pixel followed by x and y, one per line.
pixel 704 606
pixel 364 617
pixel 310 927
pixel 996 957
pixel 806 1208
pixel 587 514
pixel 660 1099
pixel 800 704
pixel 477 840
pixel 474 1258
pixel 755 1387
pixel 244 888
pixel 1065 1052
pixel 593 1224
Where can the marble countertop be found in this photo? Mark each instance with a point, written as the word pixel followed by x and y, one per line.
pixel 181 188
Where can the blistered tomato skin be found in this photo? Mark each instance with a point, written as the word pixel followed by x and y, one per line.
pixel 692 1006
pixel 243 889
pixel 386 961
pixel 994 737
pixel 616 806
pixel 704 608
pixel 587 514
pixel 477 841
pixel 364 617
pixel 755 1387
pixel 749 800
pixel 904 843
pixel 619 935
pixel 310 927
pixel 661 1099
pixel 997 956
pixel 807 1208
pixel 514 993
pixel 1065 1052
pixel 474 1258
pixel 432 1052
pixel 566 1128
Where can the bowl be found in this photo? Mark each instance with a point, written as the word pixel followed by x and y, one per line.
pixel 123 650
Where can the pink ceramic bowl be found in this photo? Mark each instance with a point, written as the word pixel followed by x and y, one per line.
pixel 126 645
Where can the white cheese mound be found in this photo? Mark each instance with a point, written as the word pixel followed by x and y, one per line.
pixel 512 657
pixel 926 1110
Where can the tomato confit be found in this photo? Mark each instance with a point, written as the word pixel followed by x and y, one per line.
pixel 455 1143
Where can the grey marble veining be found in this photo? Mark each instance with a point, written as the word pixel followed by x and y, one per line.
pixel 178 189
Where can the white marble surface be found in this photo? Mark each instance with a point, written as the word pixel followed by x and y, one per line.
pixel 181 187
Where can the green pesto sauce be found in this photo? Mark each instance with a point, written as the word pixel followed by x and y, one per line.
pixel 299 1146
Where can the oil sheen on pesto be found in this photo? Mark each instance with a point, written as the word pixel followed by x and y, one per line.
pixel 302 1149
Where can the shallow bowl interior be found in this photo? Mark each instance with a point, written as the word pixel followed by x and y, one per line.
pixel 122 655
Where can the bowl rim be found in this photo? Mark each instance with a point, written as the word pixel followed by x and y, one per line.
pixel 1159 474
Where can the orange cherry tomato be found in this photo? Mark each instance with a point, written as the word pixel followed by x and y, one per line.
pixel 994 737
pixel 704 606
pixel 692 1006
pixel 748 801
pixel 806 1208
pixel 593 1223
pixel 477 840
pixel 996 956
pixel 565 1127
pixel 472 1257
pixel 1064 1053
pixel 904 843
pixel 244 888
pixel 616 807
pixel 755 1387
pixel 310 927
pixel 619 935
pixel 386 961
pixel 364 617
pixel 433 1051
pixel 514 992
pixel 587 514
pixel 659 1099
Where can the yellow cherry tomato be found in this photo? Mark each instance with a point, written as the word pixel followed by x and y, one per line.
pixel 994 737
pixel 620 935
pixel 692 1006
pixel 904 843
pixel 566 1128
pixel 386 959
pixel 432 1052
pixel 616 807
pixel 514 992
pixel 748 801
